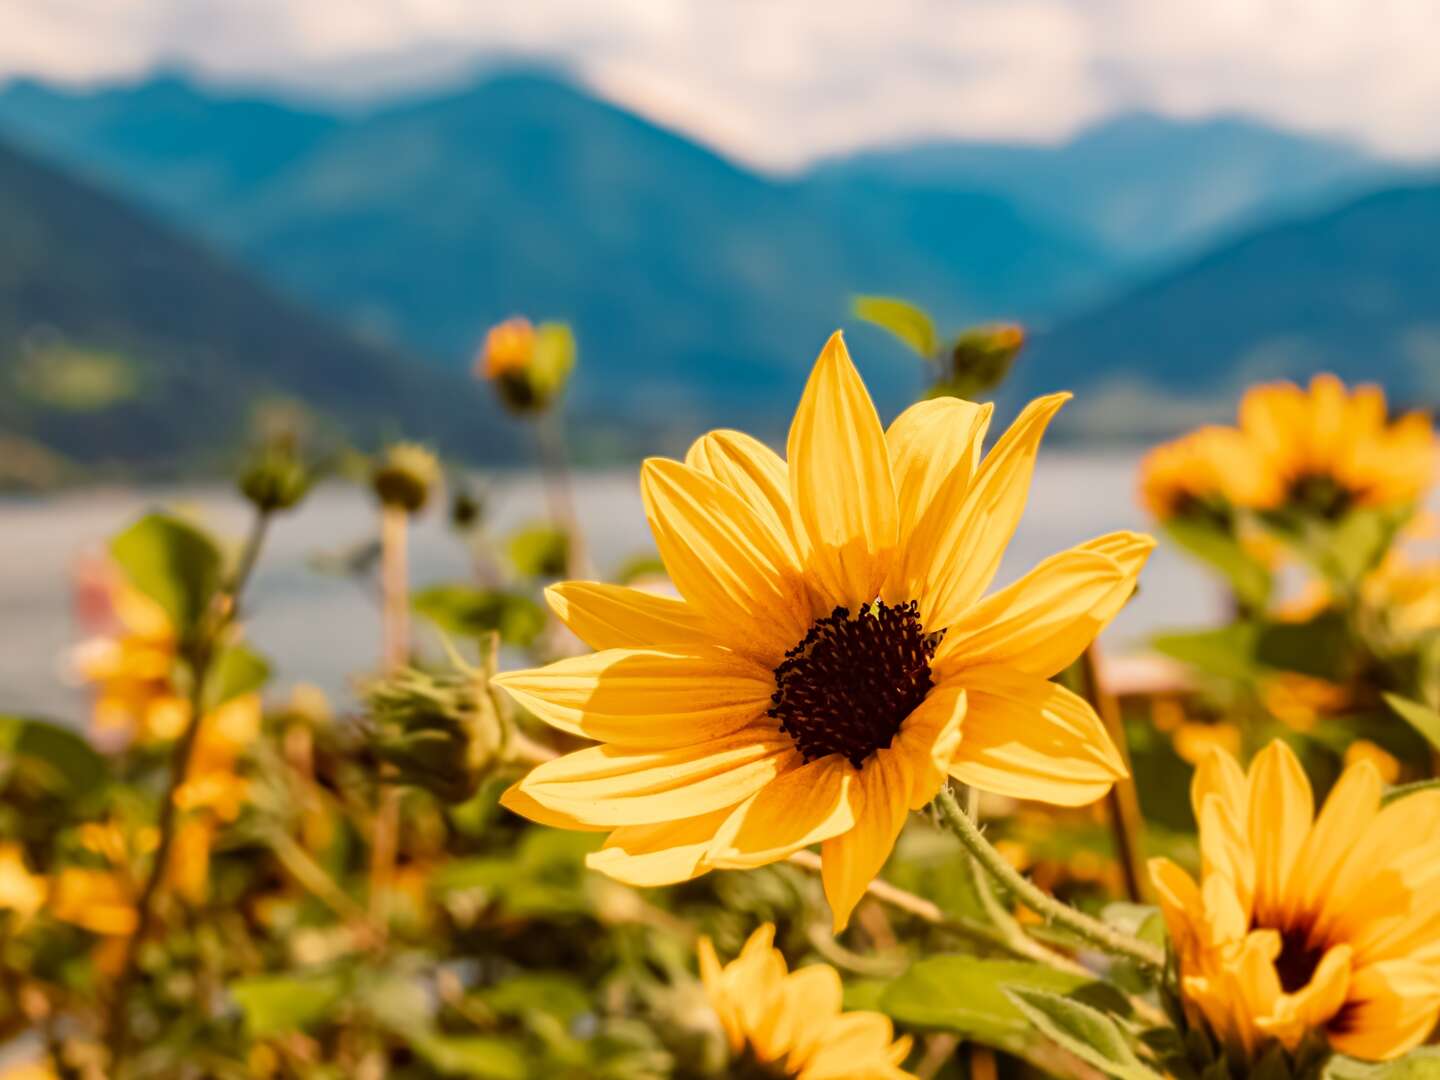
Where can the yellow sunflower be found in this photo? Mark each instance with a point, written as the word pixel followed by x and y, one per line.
pixel 782 1023
pixel 1199 474
pixel 831 658
pixel 131 668
pixel 1303 924
pixel 1327 450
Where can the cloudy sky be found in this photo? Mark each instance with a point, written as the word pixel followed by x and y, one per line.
pixel 778 82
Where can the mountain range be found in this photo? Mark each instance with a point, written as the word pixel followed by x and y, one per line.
pixel 1140 251
pixel 127 345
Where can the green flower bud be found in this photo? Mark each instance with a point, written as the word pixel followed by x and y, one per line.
pixel 979 360
pixel 275 479
pixel 528 366
pixel 440 732
pixel 405 475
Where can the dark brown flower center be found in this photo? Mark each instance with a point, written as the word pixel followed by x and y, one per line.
pixel 1322 494
pixel 849 683
pixel 1298 959
pixel 746 1066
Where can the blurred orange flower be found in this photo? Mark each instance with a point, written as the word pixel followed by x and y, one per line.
pixel 1198 474
pixel 1327 450
pixel 509 347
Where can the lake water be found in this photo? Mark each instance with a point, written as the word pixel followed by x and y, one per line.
pixel 321 629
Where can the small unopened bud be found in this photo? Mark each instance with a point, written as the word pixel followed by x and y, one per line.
pixel 980 360
pixel 404 475
pixel 466 509
pixel 275 479
pixel 440 732
pixel 528 366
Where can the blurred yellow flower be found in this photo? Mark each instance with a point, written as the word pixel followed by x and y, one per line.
pixel 1404 594
pixel 831 646
pixel 132 669
pixel 789 1023
pixel 1386 764
pixel 1327 450
pixel 20 891
pixel 1301 701
pixel 1194 741
pixel 509 347
pixel 33 1070
pixel 1304 924
pixel 1198 475
pixel 101 901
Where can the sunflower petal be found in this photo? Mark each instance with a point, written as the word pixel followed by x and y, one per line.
pixel 849 862
pixel 840 482
pixel 754 472
pixel 1392 1009
pixel 659 854
pixel 1339 828
pixel 726 562
pixel 813 998
pixel 857 1044
pixel 801 807
pixel 929 738
pixel 616 617
pixel 934 447
pixel 603 785
pixel 958 551
pixel 1282 808
pixel 645 697
pixel 1031 739
pixel 1043 622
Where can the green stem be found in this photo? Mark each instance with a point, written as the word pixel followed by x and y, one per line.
pixel 1036 899
pixel 202 653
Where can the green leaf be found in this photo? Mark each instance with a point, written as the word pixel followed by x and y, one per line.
pixel 903 319
pixel 1408 789
pixel 1086 1032
pixel 465 611
pixel 1138 920
pixel 1421 1064
pixel 967 995
pixel 173 563
pixel 487 1056
pixel 237 670
pixel 1360 540
pixel 57 758
pixel 539 551
pixel 1249 579
pixel 1317 648
pixel 553 993
pixel 274 1004
pixel 1228 652
pixel 1418 715
pixel 863 995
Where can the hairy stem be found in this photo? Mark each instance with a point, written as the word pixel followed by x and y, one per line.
pixel 1103 937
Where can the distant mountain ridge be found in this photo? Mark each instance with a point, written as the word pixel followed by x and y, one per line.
pixel 126 345
pixel 1354 290
pixel 1142 186
pixel 700 289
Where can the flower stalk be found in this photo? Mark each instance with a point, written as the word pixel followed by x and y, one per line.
pixel 201 655
pixel 1097 933
pixel 395 651
pixel 1127 824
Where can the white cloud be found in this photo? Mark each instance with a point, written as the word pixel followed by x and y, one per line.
pixel 782 81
